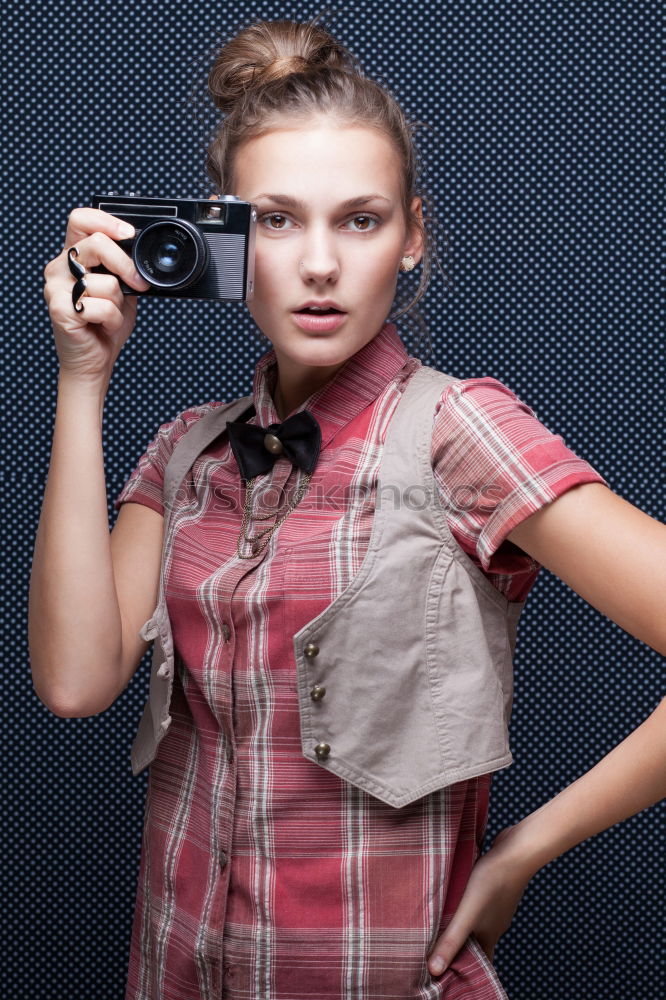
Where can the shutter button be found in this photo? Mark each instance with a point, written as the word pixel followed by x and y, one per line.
pixel 322 750
pixel 273 444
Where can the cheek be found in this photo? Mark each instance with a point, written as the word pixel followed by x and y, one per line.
pixel 270 270
pixel 379 259
pixel 379 272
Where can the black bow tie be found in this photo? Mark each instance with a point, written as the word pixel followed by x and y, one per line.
pixel 257 448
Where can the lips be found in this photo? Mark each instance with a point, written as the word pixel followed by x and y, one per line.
pixel 318 312
pixel 319 322
pixel 316 307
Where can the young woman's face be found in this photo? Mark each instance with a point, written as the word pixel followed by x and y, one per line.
pixel 331 229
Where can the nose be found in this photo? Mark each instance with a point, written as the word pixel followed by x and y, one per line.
pixel 319 260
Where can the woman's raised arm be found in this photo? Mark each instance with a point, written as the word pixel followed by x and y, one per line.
pixel 88 589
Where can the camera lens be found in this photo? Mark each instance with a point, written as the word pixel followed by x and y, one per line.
pixel 170 254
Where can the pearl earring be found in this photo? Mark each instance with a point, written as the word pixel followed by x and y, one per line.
pixel 407 263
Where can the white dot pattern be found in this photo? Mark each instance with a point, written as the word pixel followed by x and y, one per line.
pixel 542 163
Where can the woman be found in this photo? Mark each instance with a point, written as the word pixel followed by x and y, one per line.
pixel 265 871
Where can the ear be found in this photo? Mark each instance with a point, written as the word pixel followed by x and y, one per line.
pixel 414 244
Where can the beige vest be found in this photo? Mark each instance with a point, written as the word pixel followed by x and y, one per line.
pixel 415 655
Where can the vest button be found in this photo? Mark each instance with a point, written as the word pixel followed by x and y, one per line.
pixel 317 692
pixel 273 444
pixel 311 650
pixel 322 750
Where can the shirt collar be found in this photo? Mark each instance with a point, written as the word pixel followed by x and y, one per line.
pixel 356 384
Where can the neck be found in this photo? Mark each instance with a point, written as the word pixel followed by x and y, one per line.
pixel 291 392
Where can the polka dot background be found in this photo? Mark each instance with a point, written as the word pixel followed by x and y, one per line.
pixel 541 157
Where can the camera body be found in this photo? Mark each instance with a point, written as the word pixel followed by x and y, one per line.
pixel 188 248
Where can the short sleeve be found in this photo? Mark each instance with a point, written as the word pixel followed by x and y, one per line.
pixel 146 482
pixel 495 463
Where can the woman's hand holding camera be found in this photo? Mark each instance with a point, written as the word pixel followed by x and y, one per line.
pixel 88 342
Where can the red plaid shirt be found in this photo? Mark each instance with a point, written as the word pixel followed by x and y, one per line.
pixel 263 875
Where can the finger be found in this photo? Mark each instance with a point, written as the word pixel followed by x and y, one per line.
pixel 104 286
pixel 446 948
pixel 84 222
pixel 101 249
pixel 101 312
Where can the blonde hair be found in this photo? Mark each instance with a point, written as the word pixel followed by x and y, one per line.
pixel 272 70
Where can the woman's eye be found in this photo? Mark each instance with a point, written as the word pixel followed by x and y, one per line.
pixel 275 221
pixel 364 223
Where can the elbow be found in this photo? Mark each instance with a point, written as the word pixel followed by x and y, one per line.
pixel 68 704
pixel 65 710
pixel 658 643
pixel 648 627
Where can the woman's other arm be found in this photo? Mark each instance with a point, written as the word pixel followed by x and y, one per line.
pixel 628 779
pixel 609 552
pixel 614 556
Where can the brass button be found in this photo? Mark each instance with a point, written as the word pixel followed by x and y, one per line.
pixel 226 632
pixel 273 444
pixel 317 692
pixel 322 750
pixel 311 650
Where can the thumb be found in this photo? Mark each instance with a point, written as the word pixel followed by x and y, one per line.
pixel 448 944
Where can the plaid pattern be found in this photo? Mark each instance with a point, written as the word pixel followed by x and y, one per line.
pixel 263 875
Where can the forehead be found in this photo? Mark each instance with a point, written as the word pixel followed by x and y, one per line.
pixel 319 161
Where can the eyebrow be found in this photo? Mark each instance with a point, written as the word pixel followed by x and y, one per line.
pixel 289 202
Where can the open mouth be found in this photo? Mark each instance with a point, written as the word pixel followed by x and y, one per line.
pixel 319 320
pixel 320 312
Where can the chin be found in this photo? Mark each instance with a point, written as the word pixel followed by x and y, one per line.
pixel 322 355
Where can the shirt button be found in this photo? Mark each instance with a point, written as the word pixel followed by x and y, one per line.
pixel 322 750
pixel 311 650
pixel 223 859
pixel 226 631
pixel 317 692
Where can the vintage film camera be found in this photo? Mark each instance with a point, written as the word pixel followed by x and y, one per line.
pixel 188 247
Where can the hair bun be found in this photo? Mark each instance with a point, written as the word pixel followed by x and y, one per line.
pixel 269 51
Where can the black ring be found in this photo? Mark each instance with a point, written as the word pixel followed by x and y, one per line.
pixel 78 272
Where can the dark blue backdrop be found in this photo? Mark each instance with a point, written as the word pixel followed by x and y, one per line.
pixel 542 159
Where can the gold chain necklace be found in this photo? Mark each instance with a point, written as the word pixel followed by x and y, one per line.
pixel 259 541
